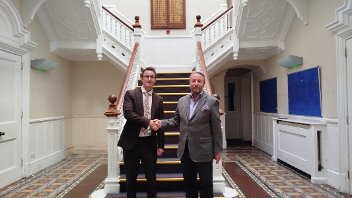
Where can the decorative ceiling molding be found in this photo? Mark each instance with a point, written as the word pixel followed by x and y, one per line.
pixel 29 8
pixel 265 20
pixel 13 36
pixel 67 20
pixel 301 9
pixel 95 12
pixel 343 20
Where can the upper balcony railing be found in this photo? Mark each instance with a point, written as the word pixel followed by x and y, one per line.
pixel 216 28
pixel 117 28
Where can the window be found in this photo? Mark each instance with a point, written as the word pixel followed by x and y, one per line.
pixel 231 87
pixel 168 14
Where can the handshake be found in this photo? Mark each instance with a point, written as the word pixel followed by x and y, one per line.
pixel 155 124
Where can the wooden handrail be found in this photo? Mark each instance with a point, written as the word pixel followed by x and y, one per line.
pixel 205 72
pixel 211 22
pixel 116 17
pixel 204 67
pixel 127 76
pixel 114 110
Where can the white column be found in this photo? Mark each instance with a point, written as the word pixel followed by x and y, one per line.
pixel 218 179
pixel 112 185
pixel 111 182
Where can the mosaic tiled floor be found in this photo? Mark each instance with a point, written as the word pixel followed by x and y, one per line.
pixel 56 180
pixel 276 179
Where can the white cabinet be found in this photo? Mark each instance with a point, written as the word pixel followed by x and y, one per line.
pixel 299 143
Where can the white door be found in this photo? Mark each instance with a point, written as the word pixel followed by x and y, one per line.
pixel 233 107
pixel 349 100
pixel 10 118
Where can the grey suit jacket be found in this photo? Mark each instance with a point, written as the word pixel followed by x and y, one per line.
pixel 202 130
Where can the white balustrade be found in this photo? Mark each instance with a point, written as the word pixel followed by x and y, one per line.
pixel 118 29
pixel 217 29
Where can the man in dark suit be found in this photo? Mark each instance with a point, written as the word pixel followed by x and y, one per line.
pixel 200 139
pixel 139 142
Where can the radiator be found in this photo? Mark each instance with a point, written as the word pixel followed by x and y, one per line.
pixel 299 143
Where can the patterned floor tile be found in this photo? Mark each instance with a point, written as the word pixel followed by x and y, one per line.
pixel 282 180
pixel 276 179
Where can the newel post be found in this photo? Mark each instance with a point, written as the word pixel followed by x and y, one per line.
pixel 137 29
pixel 111 182
pixel 198 29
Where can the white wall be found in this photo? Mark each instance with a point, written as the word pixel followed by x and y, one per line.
pixel 50 91
pixel 92 83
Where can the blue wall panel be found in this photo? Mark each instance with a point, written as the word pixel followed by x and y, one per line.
pixel 268 95
pixel 304 92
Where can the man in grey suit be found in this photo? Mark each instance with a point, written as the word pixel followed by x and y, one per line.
pixel 200 139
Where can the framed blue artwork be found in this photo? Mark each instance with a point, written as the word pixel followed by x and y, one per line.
pixel 304 97
pixel 268 95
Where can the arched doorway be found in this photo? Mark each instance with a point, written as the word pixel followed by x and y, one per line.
pixel 238 106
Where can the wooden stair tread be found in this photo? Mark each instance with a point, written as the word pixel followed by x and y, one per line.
pixel 163 161
pixel 174 133
pixel 173 94
pixel 170 79
pixel 160 177
pixel 159 195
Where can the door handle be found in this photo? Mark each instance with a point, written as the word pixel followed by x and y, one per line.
pixel 2 133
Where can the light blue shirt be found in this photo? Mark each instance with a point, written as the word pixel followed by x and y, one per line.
pixel 193 102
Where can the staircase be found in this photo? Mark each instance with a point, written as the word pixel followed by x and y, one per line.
pixel 171 86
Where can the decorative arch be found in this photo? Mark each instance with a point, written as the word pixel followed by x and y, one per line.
pixel 301 9
pixel 14 38
pixel 30 8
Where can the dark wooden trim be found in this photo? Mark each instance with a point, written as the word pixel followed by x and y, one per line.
pixel 127 76
pixel 116 17
pixel 211 22
pixel 204 67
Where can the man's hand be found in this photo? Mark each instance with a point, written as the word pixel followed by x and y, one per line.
pixel 155 124
pixel 217 157
pixel 159 152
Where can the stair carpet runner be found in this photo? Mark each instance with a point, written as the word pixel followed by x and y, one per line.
pixel 170 86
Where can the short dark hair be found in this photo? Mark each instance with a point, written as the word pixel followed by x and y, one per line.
pixel 149 69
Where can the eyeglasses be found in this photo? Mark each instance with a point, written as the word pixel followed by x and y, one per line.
pixel 147 77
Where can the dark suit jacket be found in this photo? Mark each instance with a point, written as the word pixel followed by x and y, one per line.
pixel 202 131
pixel 133 112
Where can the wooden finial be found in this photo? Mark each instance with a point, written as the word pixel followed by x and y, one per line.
pixel 112 111
pixel 136 22
pixel 198 24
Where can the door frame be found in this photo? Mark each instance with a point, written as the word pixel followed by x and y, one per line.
pixel 17 41
pixel 251 112
pixel 343 30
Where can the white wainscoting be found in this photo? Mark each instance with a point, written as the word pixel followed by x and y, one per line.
pixel 331 158
pixel 263 134
pixel 331 151
pixel 49 138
